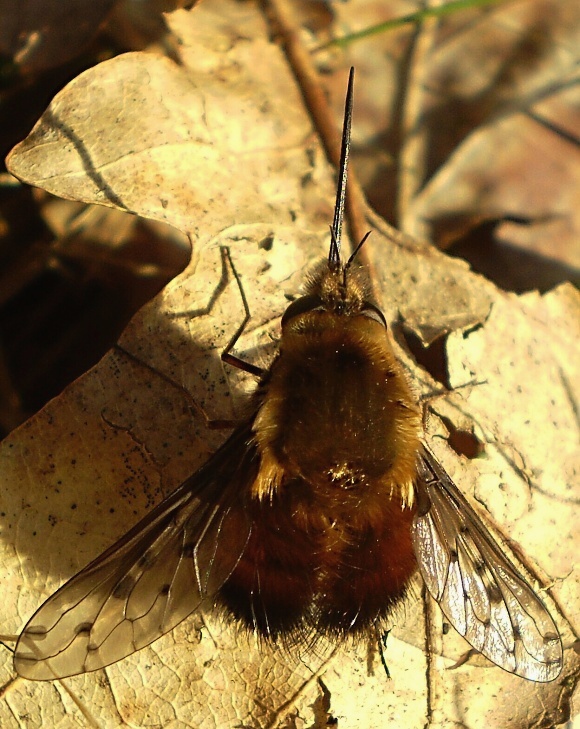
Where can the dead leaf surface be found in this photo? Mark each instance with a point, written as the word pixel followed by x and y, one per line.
pixel 42 34
pixel 223 149
pixel 474 119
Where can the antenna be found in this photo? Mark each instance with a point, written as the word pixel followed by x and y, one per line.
pixel 336 228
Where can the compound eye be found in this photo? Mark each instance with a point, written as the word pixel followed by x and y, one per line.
pixel 301 306
pixel 373 312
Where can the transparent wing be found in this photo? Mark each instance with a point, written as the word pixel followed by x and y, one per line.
pixel 169 565
pixel 479 591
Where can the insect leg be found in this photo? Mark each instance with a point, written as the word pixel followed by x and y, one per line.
pixel 382 636
pixel 227 356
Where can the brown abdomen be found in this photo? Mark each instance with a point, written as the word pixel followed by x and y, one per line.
pixel 322 577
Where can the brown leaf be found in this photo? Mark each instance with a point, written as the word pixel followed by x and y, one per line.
pixel 42 34
pixel 222 148
pixel 475 120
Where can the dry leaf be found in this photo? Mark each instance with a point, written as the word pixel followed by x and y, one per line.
pixel 223 149
pixel 474 119
pixel 42 34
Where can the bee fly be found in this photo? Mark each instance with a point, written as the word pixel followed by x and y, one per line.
pixel 310 519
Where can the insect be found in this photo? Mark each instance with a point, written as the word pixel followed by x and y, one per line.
pixel 311 518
